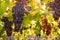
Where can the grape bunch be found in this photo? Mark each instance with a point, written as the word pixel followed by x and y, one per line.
pixel 7 25
pixel 55 6
pixel 46 26
pixel 18 14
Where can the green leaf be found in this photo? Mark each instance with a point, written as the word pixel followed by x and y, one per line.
pixel 7 1
pixel 2 8
pixel 10 17
pixel 26 20
pixel 38 27
pixel 37 16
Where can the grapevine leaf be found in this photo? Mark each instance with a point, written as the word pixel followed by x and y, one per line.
pixel 26 20
pixel 7 1
pixel 37 16
pixel 10 16
pixel 38 27
pixel 2 8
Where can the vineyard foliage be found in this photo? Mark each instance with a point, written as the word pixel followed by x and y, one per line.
pixel 38 18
